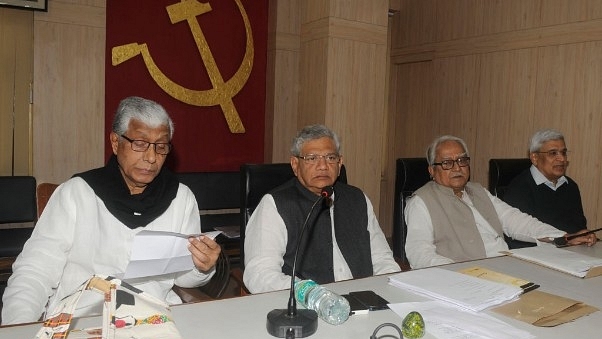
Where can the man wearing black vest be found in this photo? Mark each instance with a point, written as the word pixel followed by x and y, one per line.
pixel 543 190
pixel 345 242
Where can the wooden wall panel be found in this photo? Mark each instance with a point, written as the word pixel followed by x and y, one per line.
pixel 569 101
pixel 361 10
pixel 282 80
pixel 505 120
pixel 456 86
pixel 69 93
pixel 415 23
pixel 563 11
pixel 356 110
pixel 450 26
pixel 509 15
pixel 534 64
pixel 16 76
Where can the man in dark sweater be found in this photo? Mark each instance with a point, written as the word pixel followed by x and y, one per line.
pixel 543 190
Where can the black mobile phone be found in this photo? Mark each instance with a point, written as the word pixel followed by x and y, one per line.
pixel 356 307
pixel 370 299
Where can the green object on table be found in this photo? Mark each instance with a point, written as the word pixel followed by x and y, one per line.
pixel 413 326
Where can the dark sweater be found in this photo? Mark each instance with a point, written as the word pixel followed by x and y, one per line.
pixel 561 208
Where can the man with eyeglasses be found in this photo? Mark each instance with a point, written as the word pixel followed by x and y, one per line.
pixel 451 219
pixel 344 242
pixel 543 190
pixel 89 222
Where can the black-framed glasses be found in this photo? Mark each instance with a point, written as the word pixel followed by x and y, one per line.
pixel 449 163
pixel 554 153
pixel 162 148
pixel 312 159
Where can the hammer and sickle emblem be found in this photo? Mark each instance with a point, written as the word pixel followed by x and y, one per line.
pixel 222 91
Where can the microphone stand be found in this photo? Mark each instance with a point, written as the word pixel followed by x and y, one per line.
pixel 291 323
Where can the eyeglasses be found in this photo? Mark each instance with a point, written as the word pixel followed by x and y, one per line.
pixel 162 148
pixel 312 159
pixel 449 163
pixel 553 154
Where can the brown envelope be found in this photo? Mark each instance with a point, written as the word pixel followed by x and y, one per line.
pixel 544 309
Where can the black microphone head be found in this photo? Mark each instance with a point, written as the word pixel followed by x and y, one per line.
pixel 327 191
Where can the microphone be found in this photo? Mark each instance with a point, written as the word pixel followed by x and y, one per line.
pixel 292 323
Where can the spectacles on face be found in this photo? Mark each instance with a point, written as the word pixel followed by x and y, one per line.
pixel 162 148
pixel 449 163
pixel 554 153
pixel 313 159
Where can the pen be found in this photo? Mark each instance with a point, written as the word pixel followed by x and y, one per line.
pixel 563 241
pixel 582 234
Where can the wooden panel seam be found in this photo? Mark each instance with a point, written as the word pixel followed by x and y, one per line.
pixel 344 29
pixel 537 37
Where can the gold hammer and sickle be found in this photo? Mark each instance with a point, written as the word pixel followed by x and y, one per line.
pixel 222 92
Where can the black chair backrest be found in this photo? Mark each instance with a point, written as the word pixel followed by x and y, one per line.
pixel 215 191
pixel 502 171
pixel 410 175
pixel 17 205
pixel 255 181
pixel 18 199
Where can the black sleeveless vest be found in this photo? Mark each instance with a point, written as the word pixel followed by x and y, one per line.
pixel 314 261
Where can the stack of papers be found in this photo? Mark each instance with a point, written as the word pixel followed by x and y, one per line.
pixel 459 289
pixel 566 261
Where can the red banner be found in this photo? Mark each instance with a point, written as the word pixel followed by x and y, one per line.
pixel 205 62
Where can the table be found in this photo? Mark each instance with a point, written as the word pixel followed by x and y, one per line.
pixel 245 317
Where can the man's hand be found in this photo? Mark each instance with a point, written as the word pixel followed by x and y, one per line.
pixel 205 252
pixel 588 239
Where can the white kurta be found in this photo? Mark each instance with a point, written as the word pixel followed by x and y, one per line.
pixel 77 237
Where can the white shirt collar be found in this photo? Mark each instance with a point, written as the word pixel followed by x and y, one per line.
pixel 541 179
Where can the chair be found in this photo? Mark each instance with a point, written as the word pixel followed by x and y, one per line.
pixel 218 197
pixel 256 181
pixel 43 193
pixel 17 205
pixel 215 288
pixel 410 175
pixel 501 173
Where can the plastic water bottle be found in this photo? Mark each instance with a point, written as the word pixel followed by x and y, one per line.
pixel 330 306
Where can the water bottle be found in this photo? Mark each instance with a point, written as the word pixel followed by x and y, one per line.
pixel 330 306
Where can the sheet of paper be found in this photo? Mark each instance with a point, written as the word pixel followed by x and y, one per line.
pixel 157 252
pixel 448 322
pixel 462 290
pixel 559 259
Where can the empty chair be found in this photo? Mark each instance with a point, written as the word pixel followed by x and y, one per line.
pixel 218 197
pixel 410 175
pixel 17 205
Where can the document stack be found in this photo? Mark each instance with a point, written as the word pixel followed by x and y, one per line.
pixel 577 264
pixel 459 289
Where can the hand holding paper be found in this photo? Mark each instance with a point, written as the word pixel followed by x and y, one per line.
pixel 157 252
pixel 205 252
